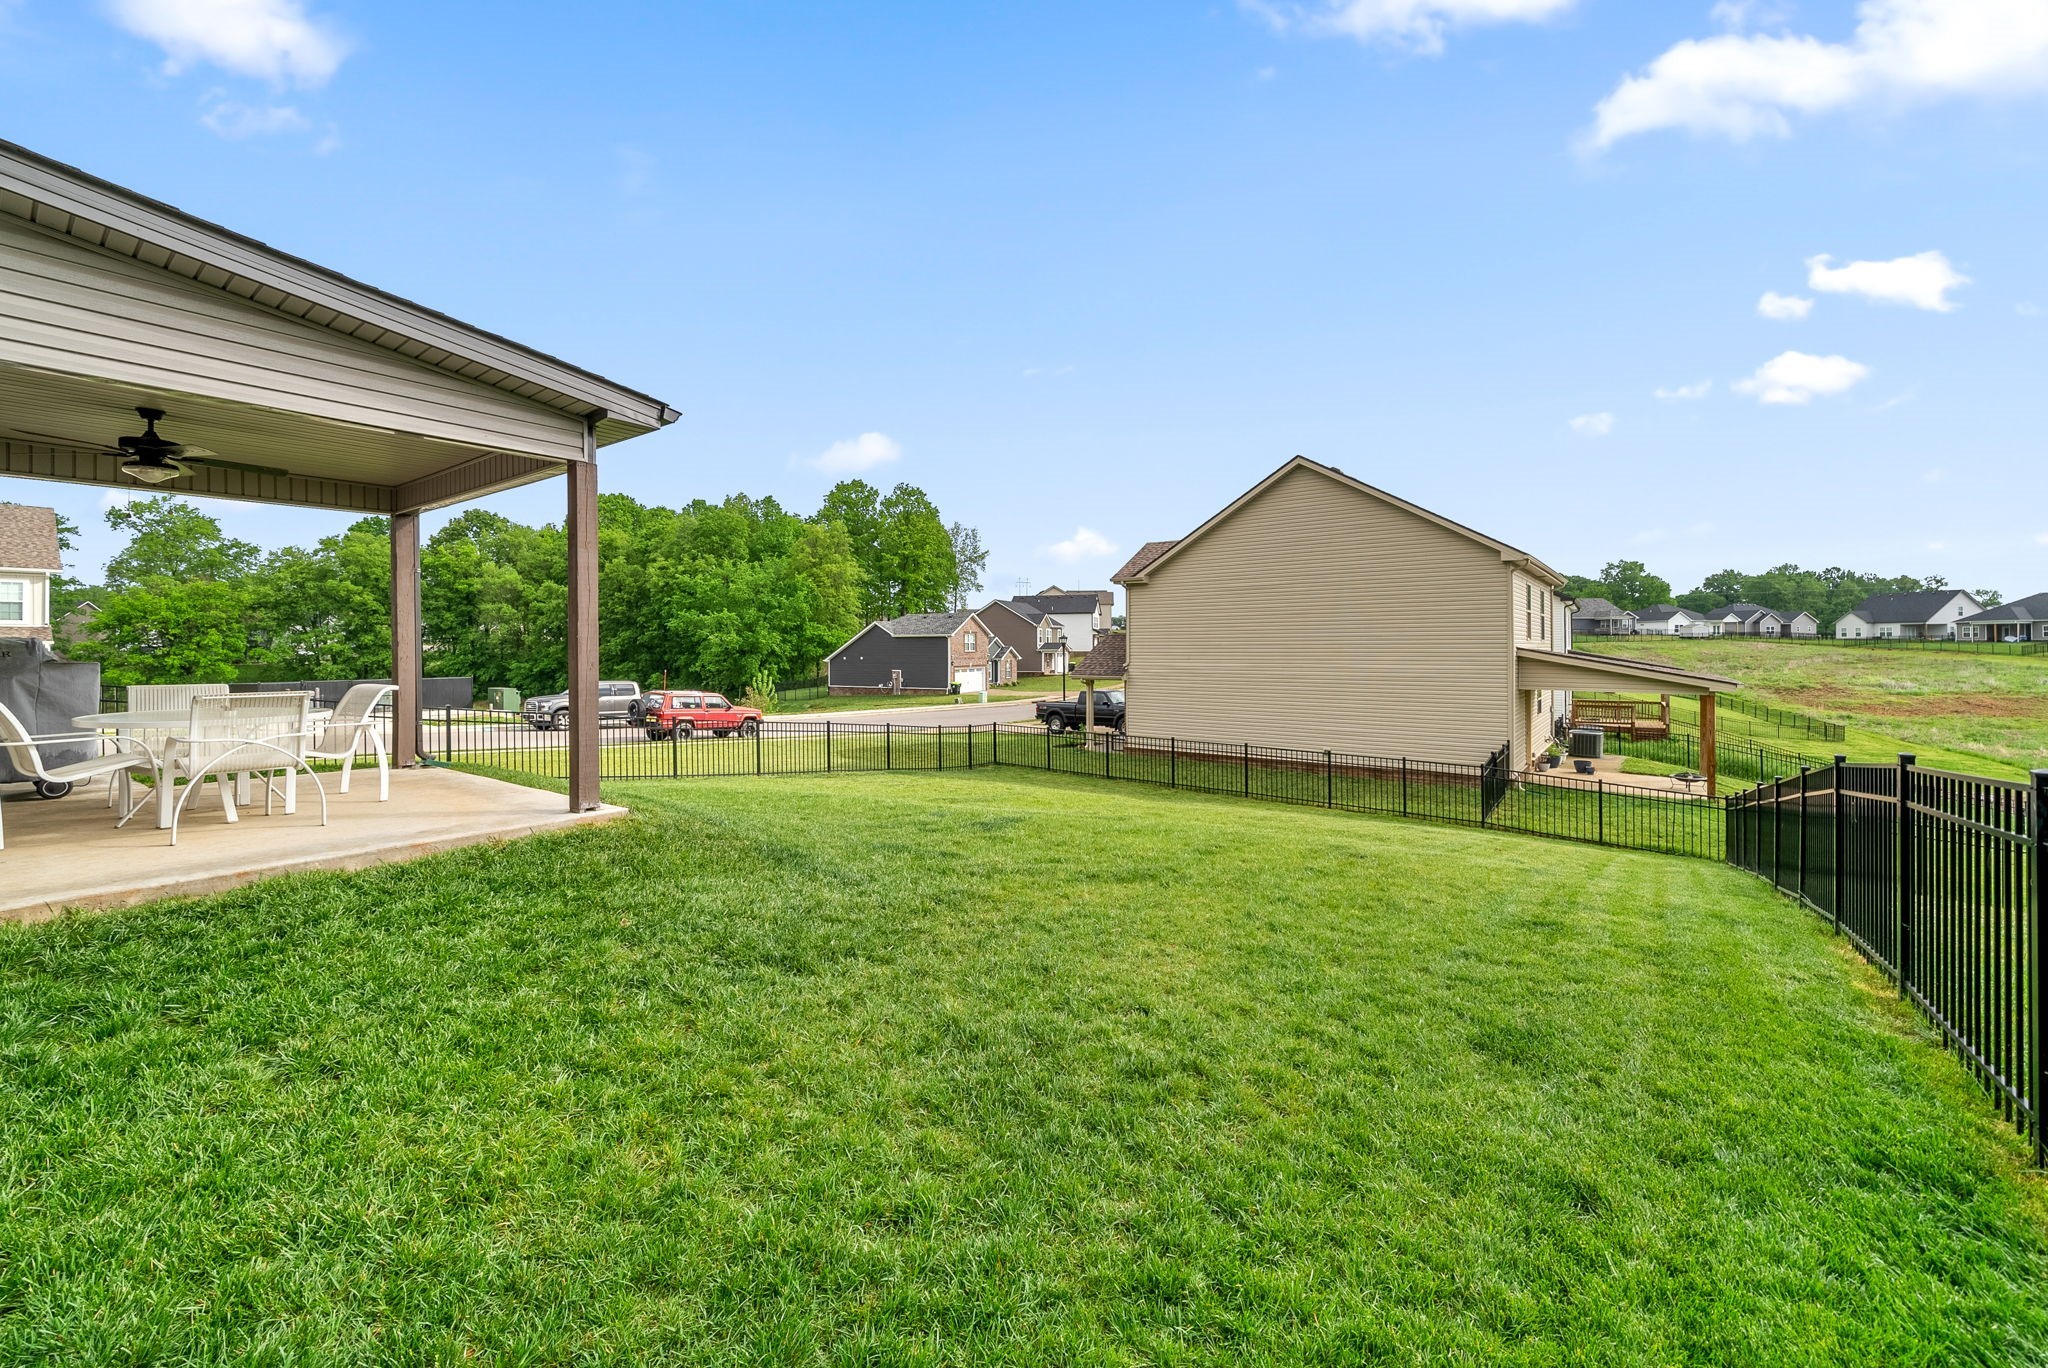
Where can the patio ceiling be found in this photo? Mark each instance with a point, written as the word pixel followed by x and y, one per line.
pixel 110 301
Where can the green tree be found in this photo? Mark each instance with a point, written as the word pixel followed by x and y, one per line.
pixel 169 538
pixel 1629 584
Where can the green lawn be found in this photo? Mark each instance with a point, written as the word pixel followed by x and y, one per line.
pixel 994 1068
pixel 1983 714
pixel 1031 686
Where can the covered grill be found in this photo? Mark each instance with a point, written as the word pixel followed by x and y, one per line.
pixel 45 691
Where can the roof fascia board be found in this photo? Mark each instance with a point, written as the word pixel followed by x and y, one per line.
pixel 72 191
pixel 1511 556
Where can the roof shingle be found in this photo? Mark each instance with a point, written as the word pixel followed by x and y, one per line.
pixel 28 538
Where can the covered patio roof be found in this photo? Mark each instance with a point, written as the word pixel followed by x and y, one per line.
pixel 1540 669
pixel 297 384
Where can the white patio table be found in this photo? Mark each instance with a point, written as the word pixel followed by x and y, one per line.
pixel 157 730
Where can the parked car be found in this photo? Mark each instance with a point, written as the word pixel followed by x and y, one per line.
pixel 618 700
pixel 1059 714
pixel 682 713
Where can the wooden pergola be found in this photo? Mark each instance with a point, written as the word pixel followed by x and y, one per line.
pixel 311 388
pixel 1590 671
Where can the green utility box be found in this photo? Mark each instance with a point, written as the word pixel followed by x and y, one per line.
pixel 505 700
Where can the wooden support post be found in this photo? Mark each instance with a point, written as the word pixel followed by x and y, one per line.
pixel 406 670
pixel 584 756
pixel 1664 711
pixel 1709 765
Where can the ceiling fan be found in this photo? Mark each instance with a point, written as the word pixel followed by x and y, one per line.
pixel 154 459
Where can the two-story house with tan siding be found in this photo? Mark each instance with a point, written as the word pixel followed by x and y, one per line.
pixel 1366 624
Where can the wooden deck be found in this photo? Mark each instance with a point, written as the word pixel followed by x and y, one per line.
pixel 1637 719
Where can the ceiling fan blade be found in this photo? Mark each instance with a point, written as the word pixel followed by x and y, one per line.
pixel 184 452
pixel 209 459
pixel 65 441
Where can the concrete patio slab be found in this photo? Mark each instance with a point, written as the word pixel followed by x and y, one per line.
pixel 67 854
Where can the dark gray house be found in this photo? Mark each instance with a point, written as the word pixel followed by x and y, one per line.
pixel 2021 620
pixel 922 653
pixel 1028 629
pixel 1598 617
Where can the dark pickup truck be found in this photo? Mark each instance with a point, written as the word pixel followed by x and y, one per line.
pixel 1059 714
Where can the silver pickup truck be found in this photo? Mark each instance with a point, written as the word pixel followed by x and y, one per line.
pixel 618 701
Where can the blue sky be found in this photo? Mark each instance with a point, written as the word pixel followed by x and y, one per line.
pixel 1086 272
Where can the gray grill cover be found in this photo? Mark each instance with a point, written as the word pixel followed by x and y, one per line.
pixel 45 692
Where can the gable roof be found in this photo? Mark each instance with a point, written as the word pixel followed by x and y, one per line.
pixel 1917 606
pixel 1029 612
pixel 1145 555
pixel 1598 608
pixel 1509 555
pixel 2032 608
pixel 28 538
pixel 927 624
pixel 1062 603
pixel 1664 612
pixel 1745 612
pixel 75 203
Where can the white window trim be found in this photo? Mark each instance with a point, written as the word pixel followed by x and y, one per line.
pixel 26 601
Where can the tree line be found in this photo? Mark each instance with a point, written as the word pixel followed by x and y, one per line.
pixel 714 595
pixel 1827 594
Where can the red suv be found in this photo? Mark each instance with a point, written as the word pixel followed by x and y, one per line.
pixel 682 713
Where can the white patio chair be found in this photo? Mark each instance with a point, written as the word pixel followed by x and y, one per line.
pixel 170 697
pixel 355 720
pixel 127 755
pixel 251 733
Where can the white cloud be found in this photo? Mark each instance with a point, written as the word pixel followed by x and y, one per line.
pixel 1742 85
pixel 1700 390
pixel 857 454
pixel 1922 281
pixel 274 40
pixel 1418 25
pixel 1593 424
pixel 1795 377
pixel 1085 544
pixel 2027 310
pixel 233 119
pixel 2042 538
pixel 1783 307
pixel 1933 476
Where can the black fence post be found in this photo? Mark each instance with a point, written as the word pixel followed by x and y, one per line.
pixel 1778 831
pixel 757 746
pixel 1172 762
pixel 1108 745
pixel 828 745
pixel 940 751
pixel 1329 781
pixel 2037 829
pixel 675 756
pixel 1404 786
pixel 1841 835
pixel 888 746
pixel 1804 771
pixel 1600 798
pixel 1048 750
pixel 1905 872
pixel 970 745
pixel 1247 769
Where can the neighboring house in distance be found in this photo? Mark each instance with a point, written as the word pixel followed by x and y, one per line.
pixel 921 653
pixel 1079 613
pixel 1030 631
pixel 77 625
pixel 29 555
pixel 1598 617
pixel 1802 624
pixel 1746 619
pixel 1667 619
pixel 1921 615
pixel 1327 599
pixel 2021 620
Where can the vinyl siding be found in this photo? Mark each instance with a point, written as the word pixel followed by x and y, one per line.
pixel 1319 617
pixel 865 662
pixel 69 307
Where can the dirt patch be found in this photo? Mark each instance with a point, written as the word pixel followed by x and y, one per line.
pixel 1834 699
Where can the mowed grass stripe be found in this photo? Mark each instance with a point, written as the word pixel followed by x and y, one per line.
pixel 993 1068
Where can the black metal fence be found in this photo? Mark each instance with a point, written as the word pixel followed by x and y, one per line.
pixel 1736 760
pixel 1490 794
pixel 1938 879
pixel 1784 721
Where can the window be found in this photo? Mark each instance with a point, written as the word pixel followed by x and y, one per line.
pixel 13 600
pixel 714 701
pixel 969 640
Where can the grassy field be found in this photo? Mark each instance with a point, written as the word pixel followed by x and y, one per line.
pixel 850 1071
pixel 1986 714
pixel 1029 687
